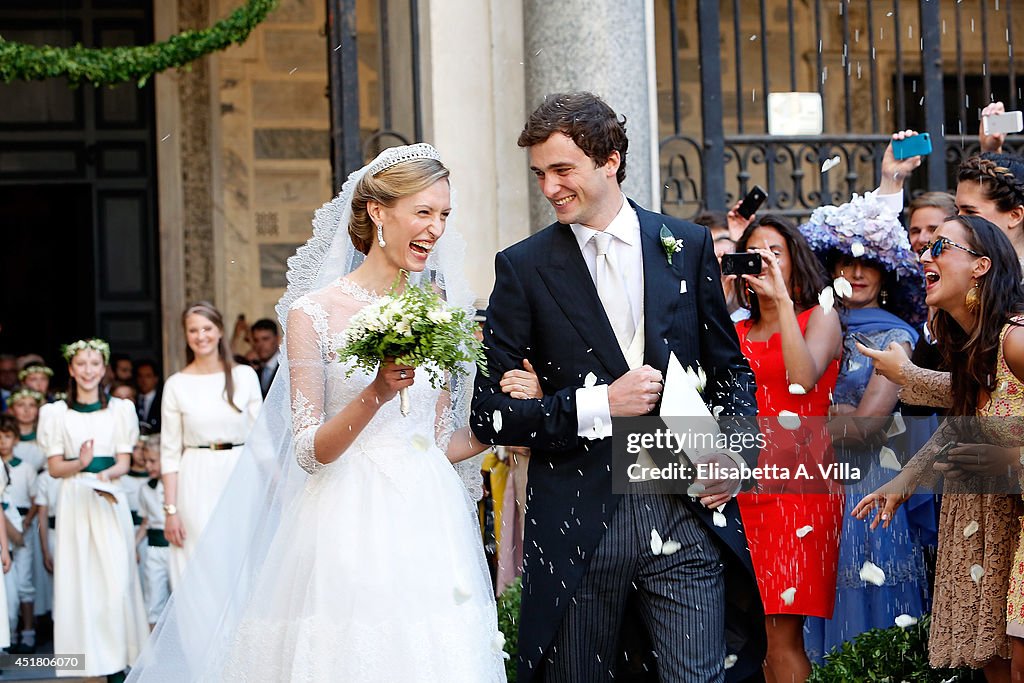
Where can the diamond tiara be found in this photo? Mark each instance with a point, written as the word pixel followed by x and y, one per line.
pixel 398 155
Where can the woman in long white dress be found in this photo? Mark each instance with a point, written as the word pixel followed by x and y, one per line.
pixel 371 567
pixel 88 440
pixel 206 413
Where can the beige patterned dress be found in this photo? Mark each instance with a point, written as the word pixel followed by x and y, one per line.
pixel 969 619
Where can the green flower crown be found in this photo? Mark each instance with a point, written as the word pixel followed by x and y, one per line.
pixel 26 393
pixel 69 350
pixel 33 369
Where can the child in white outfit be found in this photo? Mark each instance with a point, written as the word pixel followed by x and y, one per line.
pixel 157 582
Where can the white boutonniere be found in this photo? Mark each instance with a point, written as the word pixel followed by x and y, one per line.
pixel 670 244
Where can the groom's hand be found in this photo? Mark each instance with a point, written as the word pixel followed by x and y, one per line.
pixel 635 393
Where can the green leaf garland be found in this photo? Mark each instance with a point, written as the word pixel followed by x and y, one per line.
pixel 114 65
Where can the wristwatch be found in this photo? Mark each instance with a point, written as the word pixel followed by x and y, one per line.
pixel 170 509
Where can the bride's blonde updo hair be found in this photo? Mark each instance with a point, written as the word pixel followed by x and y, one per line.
pixel 388 186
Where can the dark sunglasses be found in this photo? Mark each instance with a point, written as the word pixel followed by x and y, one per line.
pixel 936 247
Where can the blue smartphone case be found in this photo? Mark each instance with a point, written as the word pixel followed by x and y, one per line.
pixel 918 145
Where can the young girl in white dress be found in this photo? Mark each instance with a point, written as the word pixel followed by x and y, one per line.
pixel 88 440
pixel 207 411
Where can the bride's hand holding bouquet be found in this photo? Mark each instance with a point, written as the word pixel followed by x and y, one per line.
pixel 405 330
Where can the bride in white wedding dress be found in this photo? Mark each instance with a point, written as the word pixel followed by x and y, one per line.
pixel 371 569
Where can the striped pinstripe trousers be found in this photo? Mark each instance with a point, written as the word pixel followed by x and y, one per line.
pixel 681 598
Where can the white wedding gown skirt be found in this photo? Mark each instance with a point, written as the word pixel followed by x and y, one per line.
pixel 375 574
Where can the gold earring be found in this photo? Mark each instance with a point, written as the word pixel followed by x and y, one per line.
pixel 973 299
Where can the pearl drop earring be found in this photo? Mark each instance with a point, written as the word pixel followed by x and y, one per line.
pixel 380 235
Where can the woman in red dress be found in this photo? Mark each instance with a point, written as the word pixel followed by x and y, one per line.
pixel 793 525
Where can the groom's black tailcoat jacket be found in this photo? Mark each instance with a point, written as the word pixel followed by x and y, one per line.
pixel 545 307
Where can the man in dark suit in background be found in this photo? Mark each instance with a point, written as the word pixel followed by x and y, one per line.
pixel 595 295
pixel 266 342
pixel 147 401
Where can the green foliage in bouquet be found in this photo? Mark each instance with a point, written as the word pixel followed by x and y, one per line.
pixel 893 655
pixel 415 328
pixel 508 624
pixel 113 65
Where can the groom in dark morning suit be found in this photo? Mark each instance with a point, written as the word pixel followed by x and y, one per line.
pixel 594 296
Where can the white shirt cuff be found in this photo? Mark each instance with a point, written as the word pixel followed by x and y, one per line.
pixel 593 414
pixel 894 201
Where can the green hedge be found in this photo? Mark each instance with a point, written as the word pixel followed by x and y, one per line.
pixel 508 624
pixel 892 655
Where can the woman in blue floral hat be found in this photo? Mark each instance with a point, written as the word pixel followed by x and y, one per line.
pixel 865 248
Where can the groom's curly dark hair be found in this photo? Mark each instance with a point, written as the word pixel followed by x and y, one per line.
pixel 587 119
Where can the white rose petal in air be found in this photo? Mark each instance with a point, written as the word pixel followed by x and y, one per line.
pixel 856 250
pixel 788 596
pixel 496 420
pixel 657 545
pixel 730 661
pixel 461 594
pixel 716 411
pixel 498 645
pixel 826 299
pixel 797 389
pixel 977 571
pixel 970 529
pixel 829 164
pixel 888 460
pixel 804 530
pixel 420 442
pixel 844 289
pixel 719 520
pixel 590 380
pixel 872 573
pixel 905 620
pixel 788 420
pixel 669 547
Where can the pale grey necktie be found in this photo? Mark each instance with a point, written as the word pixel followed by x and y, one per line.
pixel 611 288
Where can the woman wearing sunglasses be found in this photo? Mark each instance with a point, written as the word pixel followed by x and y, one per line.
pixel 973 282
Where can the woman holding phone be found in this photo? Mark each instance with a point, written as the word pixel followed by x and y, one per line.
pixel 793 346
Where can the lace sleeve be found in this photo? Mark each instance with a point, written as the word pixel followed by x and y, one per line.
pixel 925 387
pixel 920 466
pixel 306 365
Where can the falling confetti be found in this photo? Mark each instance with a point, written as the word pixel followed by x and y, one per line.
pixel 788 596
pixel 970 529
pixel 719 520
pixel 657 545
pixel 590 380
pixel 977 571
pixel 905 620
pixel 730 661
pixel 872 573
pixel 461 594
pixel 669 547
pixel 826 299
pixel 842 287
pixel 498 645
pixel 788 420
pixel 888 460
pixel 804 530
pixel 857 249
pixel 420 442
pixel 797 389
pixel 829 164
pixel 716 411
pixel 496 419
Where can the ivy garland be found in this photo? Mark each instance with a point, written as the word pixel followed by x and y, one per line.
pixel 114 65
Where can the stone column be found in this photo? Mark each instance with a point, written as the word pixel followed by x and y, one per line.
pixel 606 47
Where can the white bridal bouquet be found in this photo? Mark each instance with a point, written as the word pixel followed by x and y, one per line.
pixel 415 327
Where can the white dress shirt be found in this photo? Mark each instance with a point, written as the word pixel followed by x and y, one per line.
pixel 593 413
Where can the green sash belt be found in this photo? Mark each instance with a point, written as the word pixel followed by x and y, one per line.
pixel 100 463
